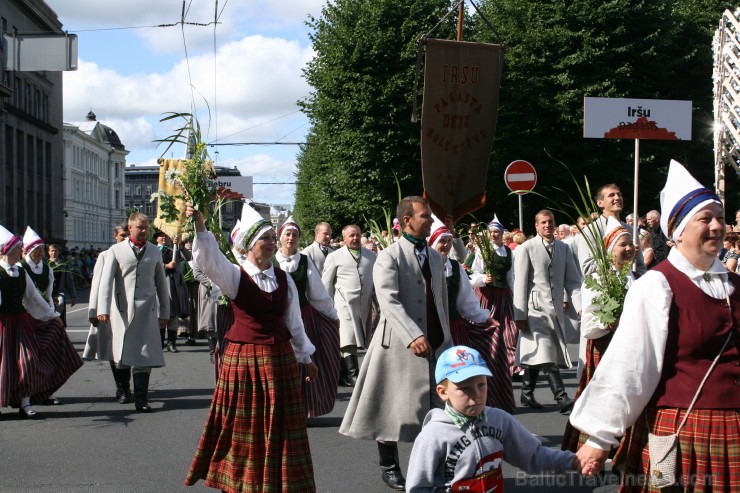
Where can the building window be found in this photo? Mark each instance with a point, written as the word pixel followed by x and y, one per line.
pixel 148 190
pixel 45 108
pixel 127 191
pixel 137 191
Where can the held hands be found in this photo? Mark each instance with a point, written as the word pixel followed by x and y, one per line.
pixel 590 460
pixel 312 370
pixel 420 346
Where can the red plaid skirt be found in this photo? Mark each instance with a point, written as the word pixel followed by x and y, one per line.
pixel 320 395
pixel 708 457
pixel 36 358
pixel 500 302
pixel 487 340
pixel 595 349
pixel 255 437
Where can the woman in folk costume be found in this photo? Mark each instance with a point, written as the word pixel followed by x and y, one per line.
pixel 36 356
pixel 255 436
pixel 494 290
pixel 471 325
pixel 672 367
pixel 319 319
pixel 597 336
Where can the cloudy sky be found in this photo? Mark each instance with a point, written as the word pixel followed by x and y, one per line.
pixel 251 79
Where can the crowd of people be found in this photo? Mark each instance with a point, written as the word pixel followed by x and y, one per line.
pixel 447 318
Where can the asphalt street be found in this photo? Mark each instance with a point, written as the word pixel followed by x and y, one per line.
pixel 91 443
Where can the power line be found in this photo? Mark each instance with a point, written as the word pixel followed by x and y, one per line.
pixel 174 24
pixel 214 144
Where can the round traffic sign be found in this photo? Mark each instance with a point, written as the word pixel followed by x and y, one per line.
pixel 520 177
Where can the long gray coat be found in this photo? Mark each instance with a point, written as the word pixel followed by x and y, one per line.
pixel 313 251
pixel 136 295
pixel 540 286
pixel 393 391
pixel 350 285
pixel 99 343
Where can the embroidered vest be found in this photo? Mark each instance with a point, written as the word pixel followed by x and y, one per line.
pixel 499 269
pixel 41 281
pixel 697 327
pixel 300 277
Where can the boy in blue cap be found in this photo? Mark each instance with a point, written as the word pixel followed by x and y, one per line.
pixel 461 447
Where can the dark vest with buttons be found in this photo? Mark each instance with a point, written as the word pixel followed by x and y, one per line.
pixel 499 269
pixel 259 317
pixel 12 290
pixel 698 326
pixel 435 335
pixel 300 278
pixel 41 281
pixel 453 288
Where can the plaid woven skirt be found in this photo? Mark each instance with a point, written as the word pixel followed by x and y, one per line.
pixel 36 358
pixel 487 340
pixel 595 349
pixel 500 302
pixel 224 319
pixel 708 458
pixel 319 396
pixel 255 437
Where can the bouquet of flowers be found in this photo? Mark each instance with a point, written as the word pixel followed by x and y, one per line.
pixel 481 238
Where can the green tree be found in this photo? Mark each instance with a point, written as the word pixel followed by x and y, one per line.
pixel 360 108
pixel 563 51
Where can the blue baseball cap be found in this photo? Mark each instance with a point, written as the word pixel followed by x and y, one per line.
pixel 460 363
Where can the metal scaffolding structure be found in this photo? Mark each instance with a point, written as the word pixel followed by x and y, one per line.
pixel 726 98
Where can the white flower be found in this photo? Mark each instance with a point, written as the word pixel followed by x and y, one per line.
pixel 172 176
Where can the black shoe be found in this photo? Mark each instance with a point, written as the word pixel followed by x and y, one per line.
pixel 143 406
pixel 191 342
pixel 345 377
pixel 530 401
pixel 529 382
pixel 125 397
pixel 171 347
pixel 52 401
pixel 28 412
pixel 565 403
pixel 394 480
pixel 141 388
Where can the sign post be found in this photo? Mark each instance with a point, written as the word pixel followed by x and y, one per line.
pixel 520 177
pixel 647 119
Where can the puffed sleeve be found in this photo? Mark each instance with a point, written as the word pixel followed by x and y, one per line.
pixel 467 303
pixel 317 294
pixel 215 265
pixel 301 344
pixel 629 372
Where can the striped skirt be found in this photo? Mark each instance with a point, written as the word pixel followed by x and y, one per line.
pixel 255 437
pixel 319 396
pixel 487 340
pixel 36 358
pixel 708 457
pixel 500 302
pixel 595 349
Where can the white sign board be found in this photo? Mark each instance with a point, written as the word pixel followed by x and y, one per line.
pixel 645 119
pixel 33 52
pixel 239 184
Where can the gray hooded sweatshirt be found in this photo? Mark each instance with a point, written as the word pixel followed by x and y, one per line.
pixel 446 458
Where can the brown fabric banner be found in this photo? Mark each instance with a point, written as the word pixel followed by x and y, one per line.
pixel 458 122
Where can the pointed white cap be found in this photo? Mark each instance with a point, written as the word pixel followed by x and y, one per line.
pixel 31 240
pixel 235 230
pixel 680 199
pixel 288 224
pixel 439 230
pixel 613 230
pixel 253 225
pixel 496 224
pixel 8 241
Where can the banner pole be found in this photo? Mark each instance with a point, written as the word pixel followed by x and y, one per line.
pixel 460 15
pixel 521 214
pixel 635 214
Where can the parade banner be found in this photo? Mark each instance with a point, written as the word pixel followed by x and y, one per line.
pixel 645 119
pixel 166 168
pixel 458 122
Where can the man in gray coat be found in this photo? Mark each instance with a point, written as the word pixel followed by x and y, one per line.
pixel 348 278
pixel 544 273
pixel 321 247
pixel 395 389
pixel 134 298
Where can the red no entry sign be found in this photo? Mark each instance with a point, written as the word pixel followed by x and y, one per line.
pixel 520 177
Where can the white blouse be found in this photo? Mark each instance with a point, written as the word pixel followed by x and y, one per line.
pixel 630 371
pixel 315 290
pixel 467 303
pixel 36 305
pixel 478 278
pixel 227 276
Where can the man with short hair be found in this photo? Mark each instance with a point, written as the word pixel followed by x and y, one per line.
pixel 661 245
pixel 134 298
pixel 544 273
pixel 563 232
pixel 321 247
pixel 348 278
pixel 64 283
pixel 396 387
pixel 609 199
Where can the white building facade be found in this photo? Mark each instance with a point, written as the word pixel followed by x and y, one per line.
pixel 94 181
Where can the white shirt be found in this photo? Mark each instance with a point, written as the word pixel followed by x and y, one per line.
pixel 629 372
pixel 32 300
pixel 467 303
pixel 227 276
pixel 478 278
pixel 315 290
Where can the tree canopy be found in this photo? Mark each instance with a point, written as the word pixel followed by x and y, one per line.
pixel 559 52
